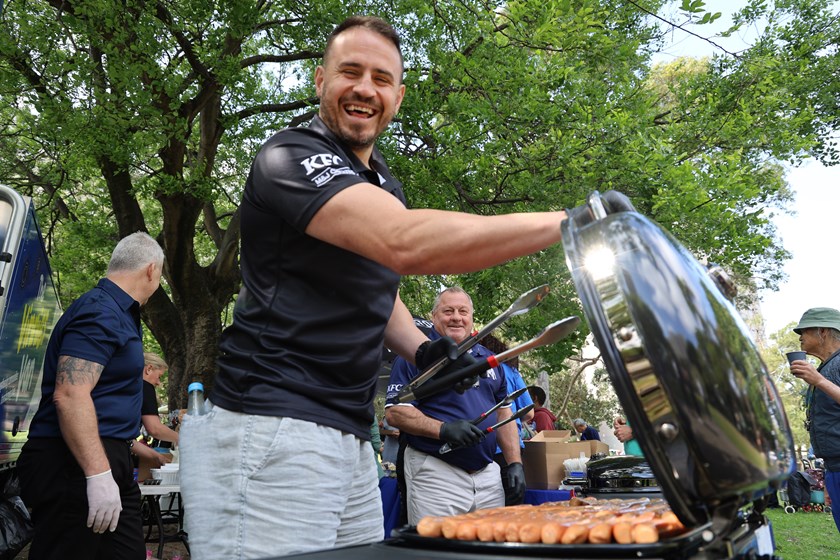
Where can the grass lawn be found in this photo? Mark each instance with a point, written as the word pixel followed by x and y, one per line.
pixel 803 535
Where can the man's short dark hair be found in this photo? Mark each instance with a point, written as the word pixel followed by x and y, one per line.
pixel 537 394
pixel 375 24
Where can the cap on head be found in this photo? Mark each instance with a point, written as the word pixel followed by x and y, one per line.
pixel 579 422
pixel 818 317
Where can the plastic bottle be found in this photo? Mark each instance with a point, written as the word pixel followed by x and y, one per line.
pixel 195 399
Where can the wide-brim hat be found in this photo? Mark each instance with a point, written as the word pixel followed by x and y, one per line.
pixel 819 317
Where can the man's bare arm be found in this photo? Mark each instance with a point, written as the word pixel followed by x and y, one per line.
pixel 408 419
pixel 401 334
pixel 507 437
pixel 370 222
pixel 75 379
pixel 808 373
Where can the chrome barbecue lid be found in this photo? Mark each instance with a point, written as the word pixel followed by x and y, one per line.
pixel 686 371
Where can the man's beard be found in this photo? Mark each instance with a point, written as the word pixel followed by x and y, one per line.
pixel 346 133
pixel 355 140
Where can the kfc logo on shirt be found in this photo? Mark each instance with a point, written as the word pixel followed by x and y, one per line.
pixel 320 161
pixel 328 165
pixel 327 174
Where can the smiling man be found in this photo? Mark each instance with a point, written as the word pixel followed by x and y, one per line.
pixel 467 478
pixel 325 237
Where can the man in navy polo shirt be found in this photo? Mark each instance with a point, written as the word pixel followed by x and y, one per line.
pixel 586 431
pixel 466 478
pixel 76 470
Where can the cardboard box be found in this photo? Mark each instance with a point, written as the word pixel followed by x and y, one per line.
pixel 145 466
pixel 543 458
pixel 544 454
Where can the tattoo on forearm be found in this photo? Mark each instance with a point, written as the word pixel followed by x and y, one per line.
pixel 75 371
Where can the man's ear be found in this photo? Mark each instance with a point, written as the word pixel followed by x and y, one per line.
pixel 400 96
pixel 319 80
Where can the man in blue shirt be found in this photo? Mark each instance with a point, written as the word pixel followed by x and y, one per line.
pixel 75 469
pixel 466 478
pixel 513 497
pixel 586 431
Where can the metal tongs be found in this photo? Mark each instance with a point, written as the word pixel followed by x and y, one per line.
pixel 523 304
pixel 549 335
pixel 504 402
pixel 446 447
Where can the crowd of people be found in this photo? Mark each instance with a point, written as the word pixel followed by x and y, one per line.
pixel 326 236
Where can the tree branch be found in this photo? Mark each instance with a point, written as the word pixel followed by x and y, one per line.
pixel 166 18
pixel 681 28
pixel 262 58
pixel 275 108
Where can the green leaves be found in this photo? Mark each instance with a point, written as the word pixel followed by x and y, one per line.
pixel 692 6
pixel 147 116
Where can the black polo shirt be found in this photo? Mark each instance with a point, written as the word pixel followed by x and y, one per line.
pixel 309 322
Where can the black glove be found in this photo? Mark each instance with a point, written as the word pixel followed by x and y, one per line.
pixel 516 482
pixel 613 202
pixel 431 351
pixel 461 433
pixel 463 361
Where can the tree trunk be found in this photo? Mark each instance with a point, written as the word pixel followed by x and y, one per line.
pixel 187 326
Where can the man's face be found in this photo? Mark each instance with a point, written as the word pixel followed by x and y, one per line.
pixel 580 429
pixel 454 316
pixel 809 340
pixel 360 86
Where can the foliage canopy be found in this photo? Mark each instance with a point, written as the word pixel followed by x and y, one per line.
pixel 144 115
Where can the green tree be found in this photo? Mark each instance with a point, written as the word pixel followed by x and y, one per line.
pixel 144 115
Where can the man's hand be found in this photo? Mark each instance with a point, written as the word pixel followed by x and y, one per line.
pixel 516 482
pixel 613 202
pixel 804 370
pixel 623 433
pixel 460 433
pixel 162 458
pixel 104 504
pixel 430 352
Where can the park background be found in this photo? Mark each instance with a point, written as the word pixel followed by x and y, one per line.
pixel 131 116
pixel 714 117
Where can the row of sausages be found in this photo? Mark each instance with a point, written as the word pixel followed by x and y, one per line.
pixel 577 521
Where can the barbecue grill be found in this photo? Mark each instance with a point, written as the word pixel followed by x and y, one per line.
pixel 707 416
